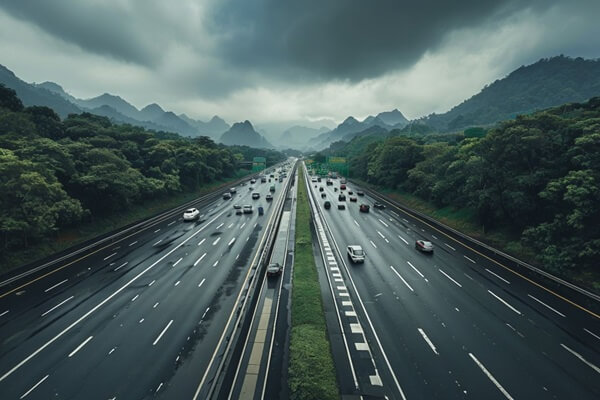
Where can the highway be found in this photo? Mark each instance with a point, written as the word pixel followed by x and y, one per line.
pixel 139 318
pixel 447 325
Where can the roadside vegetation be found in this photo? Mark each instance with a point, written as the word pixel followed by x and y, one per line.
pixel 311 368
pixel 65 181
pixel 530 186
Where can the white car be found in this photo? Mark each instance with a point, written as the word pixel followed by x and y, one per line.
pixel 232 190
pixel 356 253
pixel 247 209
pixel 191 214
pixel 424 245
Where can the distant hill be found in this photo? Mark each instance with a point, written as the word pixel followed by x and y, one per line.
pixel 213 128
pixel 393 118
pixel 243 134
pixel 112 101
pixel 32 95
pixel 298 137
pixel 547 83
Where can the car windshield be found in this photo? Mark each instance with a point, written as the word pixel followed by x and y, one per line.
pixel 359 252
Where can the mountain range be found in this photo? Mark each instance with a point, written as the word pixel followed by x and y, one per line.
pixel 243 134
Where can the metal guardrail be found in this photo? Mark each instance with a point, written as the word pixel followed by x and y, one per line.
pixel 485 246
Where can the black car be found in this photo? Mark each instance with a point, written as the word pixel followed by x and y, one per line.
pixel 360 193
pixel 341 197
pixel 379 205
pixel 341 206
pixel 269 197
pixel 323 195
pixel 321 189
pixel 327 205
pixel 364 208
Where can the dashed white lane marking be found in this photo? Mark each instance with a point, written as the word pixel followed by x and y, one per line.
pixel 34 386
pixel 200 259
pixel 589 364
pixel 590 332
pixel 6 312
pixel 158 388
pixel 177 283
pixel 401 238
pixel 216 241
pixel 470 259
pixel 162 333
pixel 230 225
pixel 405 220
pixel 135 297
pixel 498 276
pixel 515 330
pixel 238 256
pixel 350 313
pixel 178 261
pixel 58 305
pixel 205 311
pixel 395 213
pixel 202 282
pixel 387 241
pixel 356 223
pixel 132 243
pixel 400 276
pixel 547 306
pixel 449 277
pixel 375 380
pixel 491 377
pixel 156 231
pixel 504 302
pixel 386 225
pixel 381 234
pixel 356 328
pixel 255 224
pixel 426 338
pixel 416 270
pixel 244 224
pixel 361 346
pixel 157 242
pixel 152 283
pixel 171 223
pixel 155 304
pixel 231 242
pixel 112 350
pixel 341 288
pixel 450 246
pixel 220 225
pixel 107 257
pixel 120 266
pixel 373 243
pixel 346 303
pixel 80 346
pixel 433 236
pixel 55 286
pixel 202 241
pixel 216 263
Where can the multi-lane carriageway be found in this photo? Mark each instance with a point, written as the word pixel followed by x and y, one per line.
pixel 451 325
pixel 140 317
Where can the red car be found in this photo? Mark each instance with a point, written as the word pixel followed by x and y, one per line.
pixel 342 187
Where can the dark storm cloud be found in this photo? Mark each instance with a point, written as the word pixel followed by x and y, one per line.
pixel 98 27
pixel 342 39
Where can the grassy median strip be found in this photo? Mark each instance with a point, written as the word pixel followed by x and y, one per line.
pixel 311 369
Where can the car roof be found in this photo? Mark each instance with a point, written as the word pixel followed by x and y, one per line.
pixel 355 247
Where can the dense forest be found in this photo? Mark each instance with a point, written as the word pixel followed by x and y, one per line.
pixel 56 173
pixel 537 176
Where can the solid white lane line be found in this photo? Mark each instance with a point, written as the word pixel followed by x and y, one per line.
pixel 132 243
pixel 386 225
pixel 449 277
pixel 202 241
pixel 135 297
pixel 504 302
pixel 356 223
pixel 400 276
pixel 381 234
pixel 491 377
pixel 576 354
pixel 404 240
pixel 120 266
pixel 470 259
pixel 57 285
pixel 422 332
pixel 6 312
pixel 200 284
pixel 413 267
pixel 171 223
pixel 58 305
pixel 231 242
pixel 590 332
pixel 178 261
pixel 373 243
pixel 220 225
pixel 34 386
pixel 200 259
pixel 107 299
pixel 450 246
pixel 107 257
pixel 498 276
pixel 177 283
pixel 243 225
pixel 156 231
pixel 547 306
pixel 157 242
pixel 216 241
pixel 80 346
pixel 162 333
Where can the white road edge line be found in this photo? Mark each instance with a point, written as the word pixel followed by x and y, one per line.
pixel 504 302
pixel 498 276
pixel 162 333
pixel 428 341
pixel 56 306
pixel 576 354
pixel 55 286
pixel 491 377
pixel 80 346
pixel 449 277
pixel 400 276
pixel 547 306
pixel 34 386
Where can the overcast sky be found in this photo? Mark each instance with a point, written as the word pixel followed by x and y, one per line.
pixel 276 60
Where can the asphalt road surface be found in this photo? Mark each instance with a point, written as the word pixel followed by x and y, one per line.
pixel 140 318
pixel 452 324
